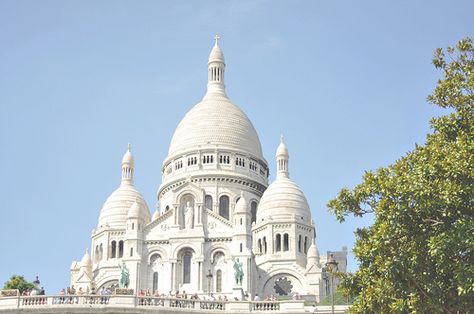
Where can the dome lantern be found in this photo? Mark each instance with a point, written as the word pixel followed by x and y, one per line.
pixel 128 166
pixel 282 158
pixel 215 70
pixel 283 199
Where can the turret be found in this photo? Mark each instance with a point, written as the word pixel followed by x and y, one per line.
pixel 215 70
pixel 128 166
pixel 282 158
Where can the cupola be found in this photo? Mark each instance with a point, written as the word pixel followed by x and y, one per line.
pixel 115 210
pixel 215 70
pixel 283 199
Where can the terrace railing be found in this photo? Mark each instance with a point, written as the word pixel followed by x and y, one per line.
pixel 54 303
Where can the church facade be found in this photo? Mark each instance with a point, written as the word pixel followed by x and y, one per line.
pixel 221 227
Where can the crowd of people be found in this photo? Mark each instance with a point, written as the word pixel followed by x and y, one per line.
pixel 180 299
pixel 71 295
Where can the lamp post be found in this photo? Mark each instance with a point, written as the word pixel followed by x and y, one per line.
pixel 331 265
pixel 209 279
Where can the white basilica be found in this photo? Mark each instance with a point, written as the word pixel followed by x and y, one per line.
pixel 217 209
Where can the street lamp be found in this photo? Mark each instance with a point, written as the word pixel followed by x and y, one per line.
pixel 331 265
pixel 209 279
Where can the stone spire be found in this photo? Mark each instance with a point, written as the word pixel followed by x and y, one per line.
pixel 215 70
pixel 282 158
pixel 128 166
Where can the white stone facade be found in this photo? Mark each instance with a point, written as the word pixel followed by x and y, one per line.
pixel 216 209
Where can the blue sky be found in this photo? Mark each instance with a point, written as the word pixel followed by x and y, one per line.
pixel 344 81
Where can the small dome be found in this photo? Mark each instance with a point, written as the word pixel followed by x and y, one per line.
pixel 242 206
pixel 313 256
pixel 156 215
pixel 128 157
pixel 135 211
pixel 282 150
pixel 283 199
pixel 216 54
pixel 86 260
pixel 114 212
pixel 313 251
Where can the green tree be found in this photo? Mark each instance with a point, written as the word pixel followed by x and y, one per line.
pixel 18 282
pixel 418 256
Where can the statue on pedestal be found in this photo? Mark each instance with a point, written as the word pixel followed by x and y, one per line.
pixel 238 272
pixel 124 276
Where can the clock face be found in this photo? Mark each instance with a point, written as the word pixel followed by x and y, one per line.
pixel 283 286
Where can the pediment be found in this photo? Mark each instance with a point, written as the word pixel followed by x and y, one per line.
pixel 84 278
pixel 162 223
pixel 191 188
pixel 214 221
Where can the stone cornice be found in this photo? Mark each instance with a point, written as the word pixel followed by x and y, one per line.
pixel 230 178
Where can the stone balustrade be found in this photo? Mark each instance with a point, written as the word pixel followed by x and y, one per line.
pixel 147 304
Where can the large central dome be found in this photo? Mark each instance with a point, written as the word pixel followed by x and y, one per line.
pixel 215 122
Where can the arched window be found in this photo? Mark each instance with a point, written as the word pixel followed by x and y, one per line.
pixel 299 244
pixel 305 245
pixel 285 242
pixel 260 245
pixel 113 249
pixel 187 267
pixel 101 252
pixel 224 206
pixel 155 282
pixel 265 245
pixel 96 254
pixel 167 208
pixel 120 249
pixel 131 251
pixel 208 202
pixel 253 211
pixel 278 243
pixel 241 249
pixel 219 281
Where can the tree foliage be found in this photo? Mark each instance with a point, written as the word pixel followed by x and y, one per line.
pixel 418 256
pixel 18 282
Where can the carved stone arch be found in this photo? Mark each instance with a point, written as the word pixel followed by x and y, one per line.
pixel 189 188
pixel 218 247
pixel 159 251
pixel 215 252
pixel 181 246
pixel 236 198
pixel 103 282
pixel 283 282
pixel 279 272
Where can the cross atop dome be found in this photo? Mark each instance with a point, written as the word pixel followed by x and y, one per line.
pixel 216 38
